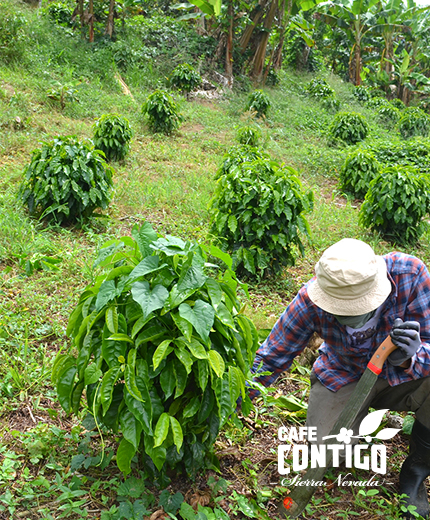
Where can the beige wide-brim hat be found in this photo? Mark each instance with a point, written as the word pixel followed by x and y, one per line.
pixel 350 279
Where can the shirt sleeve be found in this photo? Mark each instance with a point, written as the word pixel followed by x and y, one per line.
pixel 288 338
pixel 417 309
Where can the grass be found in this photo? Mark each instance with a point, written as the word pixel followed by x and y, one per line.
pixel 50 465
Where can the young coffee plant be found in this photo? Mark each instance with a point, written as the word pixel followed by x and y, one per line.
pixel 163 350
pixel 66 180
pixel 237 155
pixel 162 111
pixel 361 93
pixel 349 127
pixel 413 152
pixel 376 102
pixel 257 212
pixel 320 89
pixel 330 103
pixel 413 122
pixel 396 203
pixel 248 135
pixel 112 135
pixel 388 114
pixel 398 103
pixel 259 103
pixel 185 78
pixel 359 169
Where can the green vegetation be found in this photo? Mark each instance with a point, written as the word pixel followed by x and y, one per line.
pixel 185 78
pixel 56 82
pixel 397 200
pixel 349 127
pixel 259 103
pixel 66 180
pixel 413 122
pixel 359 169
pixel 258 210
pixel 248 135
pixel 112 135
pixel 162 111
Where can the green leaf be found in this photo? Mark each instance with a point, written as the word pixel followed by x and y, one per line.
pixel 140 323
pixel 92 374
pixel 106 293
pixel 214 291
pixel 144 236
pixel 121 337
pixel 201 317
pixel 180 376
pixel 178 437
pixel 184 357
pixel 147 299
pixel 196 349
pixel 148 265
pixel 203 373
pixel 183 325
pixel 163 350
pixel 192 407
pixel 66 380
pixel 124 455
pixel 194 278
pixel 106 389
pixel 161 429
pixel 130 376
pixel 168 380
pixel 112 320
pixel 130 427
pixel 216 362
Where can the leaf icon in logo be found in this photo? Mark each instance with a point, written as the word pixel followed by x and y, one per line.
pixel 371 422
pixel 387 433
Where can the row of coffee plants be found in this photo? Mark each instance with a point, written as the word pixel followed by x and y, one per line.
pixel 258 211
pixel 394 181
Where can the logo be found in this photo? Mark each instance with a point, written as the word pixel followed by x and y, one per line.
pixel 361 456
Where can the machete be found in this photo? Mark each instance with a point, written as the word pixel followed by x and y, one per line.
pixel 300 496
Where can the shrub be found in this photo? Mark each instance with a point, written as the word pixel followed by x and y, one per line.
pixel 361 93
pixel 259 103
pixel 162 112
pixel 388 113
pixel 248 135
pixel 349 127
pixel 184 77
pixel 330 103
pixel 398 103
pixel 359 169
pixel 397 200
pixel 257 211
pixel 163 350
pixel 413 152
pixel 413 122
pixel 319 88
pixel 66 180
pixel 60 12
pixel 237 155
pixel 376 102
pixel 112 134
pixel 12 32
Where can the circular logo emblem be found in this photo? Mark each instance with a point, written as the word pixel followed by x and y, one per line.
pixel 288 502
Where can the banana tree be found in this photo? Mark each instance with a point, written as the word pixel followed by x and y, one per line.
pixel 356 18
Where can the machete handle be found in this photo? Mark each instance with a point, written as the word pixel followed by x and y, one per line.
pixel 380 356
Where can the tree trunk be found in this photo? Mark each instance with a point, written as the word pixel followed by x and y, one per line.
pixel 110 21
pixel 247 33
pixel 260 53
pixel 81 13
pixel 229 47
pixel 91 21
pixel 277 59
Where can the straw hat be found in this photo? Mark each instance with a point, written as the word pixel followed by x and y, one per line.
pixel 350 279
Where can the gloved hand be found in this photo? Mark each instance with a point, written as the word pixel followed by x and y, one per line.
pixel 406 336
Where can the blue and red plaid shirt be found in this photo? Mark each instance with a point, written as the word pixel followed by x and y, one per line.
pixel 339 362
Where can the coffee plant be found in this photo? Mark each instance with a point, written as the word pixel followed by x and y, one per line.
pixel 398 103
pixel 376 102
pixel 258 213
pixel 112 135
pixel 320 89
pixel 66 180
pixel 361 93
pixel 330 103
pixel 259 103
pixel 396 203
pixel 163 350
pixel 414 122
pixel 185 78
pixel 349 127
pixel 248 135
pixel 413 152
pixel 237 155
pixel 162 111
pixel 388 113
pixel 359 169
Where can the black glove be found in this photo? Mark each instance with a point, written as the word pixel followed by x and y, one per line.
pixel 406 337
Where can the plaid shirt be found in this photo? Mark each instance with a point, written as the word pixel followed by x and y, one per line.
pixel 340 363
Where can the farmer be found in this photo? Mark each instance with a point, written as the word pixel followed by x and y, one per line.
pixel 355 300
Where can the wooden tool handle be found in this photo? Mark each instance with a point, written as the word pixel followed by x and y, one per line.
pixel 380 356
